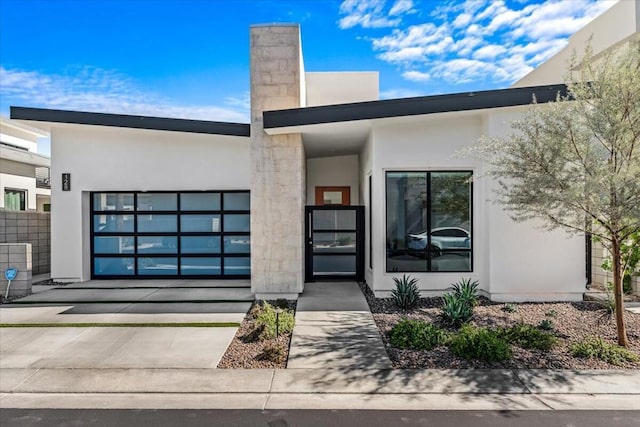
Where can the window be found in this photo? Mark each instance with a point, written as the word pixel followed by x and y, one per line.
pixel 429 219
pixel 15 200
pixel 171 234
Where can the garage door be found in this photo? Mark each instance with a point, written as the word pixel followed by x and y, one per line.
pixel 170 234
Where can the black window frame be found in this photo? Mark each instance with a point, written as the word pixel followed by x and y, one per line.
pixel 222 255
pixel 428 173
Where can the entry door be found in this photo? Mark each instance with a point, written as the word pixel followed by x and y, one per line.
pixel 335 243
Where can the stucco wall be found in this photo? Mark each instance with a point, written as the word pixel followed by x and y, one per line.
pixel 16 182
pixel 103 159
pixel 513 262
pixel 336 171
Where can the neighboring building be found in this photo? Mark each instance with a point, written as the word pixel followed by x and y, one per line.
pixel 24 174
pixel 326 182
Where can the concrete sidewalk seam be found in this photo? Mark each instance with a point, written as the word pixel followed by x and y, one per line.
pixel 25 380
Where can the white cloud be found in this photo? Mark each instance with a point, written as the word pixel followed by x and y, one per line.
pixel 416 76
pixel 365 13
pixel 373 13
pixel 105 91
pixel 399 93
pixel 487 41
pixel 401 6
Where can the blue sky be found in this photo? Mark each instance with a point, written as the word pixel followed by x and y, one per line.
pixel 189 58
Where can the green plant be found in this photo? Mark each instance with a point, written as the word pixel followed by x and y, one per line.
pixel 597 348
pixel 417 335
pixel 551 313
pixel 509 308
pixel 455 311
pixel 266 320
pixel 467 290
pixel 546 325
pixel 406 294
pixel 528 336
pixel 273 352
pixel 480 343
pixel 630 259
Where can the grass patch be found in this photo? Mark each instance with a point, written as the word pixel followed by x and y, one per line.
pixel 123 325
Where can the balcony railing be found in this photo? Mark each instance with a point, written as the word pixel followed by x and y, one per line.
pixel 43 177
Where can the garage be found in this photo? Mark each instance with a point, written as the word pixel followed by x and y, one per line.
pixel 189 234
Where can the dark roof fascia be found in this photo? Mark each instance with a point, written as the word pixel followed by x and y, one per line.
pixel 412 106
pixel 129 121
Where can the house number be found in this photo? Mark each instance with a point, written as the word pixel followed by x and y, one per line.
pixel 66 182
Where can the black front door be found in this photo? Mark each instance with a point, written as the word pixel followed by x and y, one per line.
pixel 334 243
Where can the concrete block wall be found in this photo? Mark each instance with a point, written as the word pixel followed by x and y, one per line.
pixel 29 227
pixel 16 255
pixel 277 165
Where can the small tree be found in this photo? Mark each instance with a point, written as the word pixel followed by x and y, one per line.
pixel 575 163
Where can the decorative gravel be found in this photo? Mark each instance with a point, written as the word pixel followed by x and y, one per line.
pixel 51 282
pixel 572 322
pixel 245 350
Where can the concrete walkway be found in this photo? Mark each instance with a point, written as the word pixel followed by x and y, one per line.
pixel 335 329
pixel 320 389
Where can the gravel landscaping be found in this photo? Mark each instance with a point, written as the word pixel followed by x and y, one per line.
pixel 571 323
pixel 247 349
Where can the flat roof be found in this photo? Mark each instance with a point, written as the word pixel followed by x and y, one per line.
pixel 412 106
pixel 130 121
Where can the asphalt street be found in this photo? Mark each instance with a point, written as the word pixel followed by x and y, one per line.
pixel 312 418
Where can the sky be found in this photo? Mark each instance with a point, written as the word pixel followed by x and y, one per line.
pixel 190 58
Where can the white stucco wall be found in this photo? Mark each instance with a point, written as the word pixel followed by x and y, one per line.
pixel 104 159
pixel 339 171
pixel 512 262
pixel 366 163
pixel 527 262
pixel 327 88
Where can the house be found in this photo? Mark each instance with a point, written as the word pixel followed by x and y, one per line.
pixel 24 174
pixel 326 182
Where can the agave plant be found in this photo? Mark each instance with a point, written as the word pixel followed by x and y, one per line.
pixel 406 294
pixel 456 311
pixel 467 290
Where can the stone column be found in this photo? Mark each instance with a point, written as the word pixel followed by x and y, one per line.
pixel 16 255
pixel 277 165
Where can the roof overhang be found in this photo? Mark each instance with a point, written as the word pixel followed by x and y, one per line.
pixel 22 156
pixel 298 119
pixel 129 121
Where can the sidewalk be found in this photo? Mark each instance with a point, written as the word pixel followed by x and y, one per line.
pixel 320 389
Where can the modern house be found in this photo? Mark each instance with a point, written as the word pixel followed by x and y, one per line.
pixel 327 181
pixel 24 174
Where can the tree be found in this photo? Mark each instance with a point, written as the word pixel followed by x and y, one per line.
pixel 575 162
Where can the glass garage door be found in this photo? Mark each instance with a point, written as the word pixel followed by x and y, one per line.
pixel 170 235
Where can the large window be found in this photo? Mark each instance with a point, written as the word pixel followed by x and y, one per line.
pixel 171 234
pixel 429 221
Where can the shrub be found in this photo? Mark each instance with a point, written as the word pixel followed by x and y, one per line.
pixel 406 294
pixel 509 308
pixel 417 335
pixel 273 352
pixel 551 313
pixel 546 325
pixel 467 290
pixel 597 348
pixel 481 344
pixel 266 320
pixel 455 311
pixel 528 336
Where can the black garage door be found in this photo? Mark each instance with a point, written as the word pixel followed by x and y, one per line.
pixel 201 234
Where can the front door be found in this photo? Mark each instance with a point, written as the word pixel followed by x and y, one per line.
pixel 334 243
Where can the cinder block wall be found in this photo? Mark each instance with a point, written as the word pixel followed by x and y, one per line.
pixel 29 227
pixel 16 255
